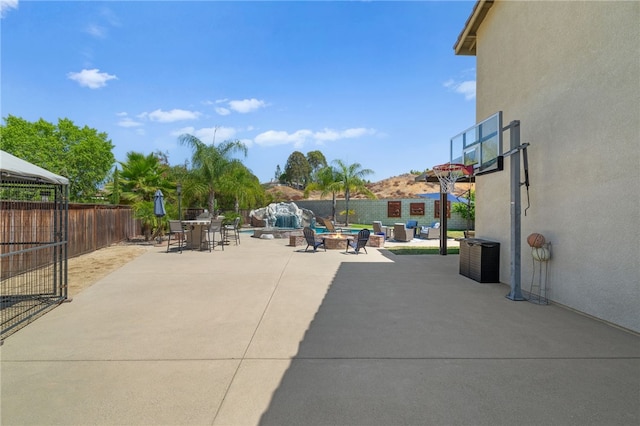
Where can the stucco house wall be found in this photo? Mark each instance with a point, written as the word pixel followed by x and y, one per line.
pixel 570 72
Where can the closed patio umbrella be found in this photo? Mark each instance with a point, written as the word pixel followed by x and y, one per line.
pixel 158 204
pixel 158 209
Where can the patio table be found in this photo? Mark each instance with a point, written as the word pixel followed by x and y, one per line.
pixel 196 235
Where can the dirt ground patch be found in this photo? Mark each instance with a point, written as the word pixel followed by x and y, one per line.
pixel 85 270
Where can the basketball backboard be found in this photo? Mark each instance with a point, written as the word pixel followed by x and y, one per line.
pixel 480 146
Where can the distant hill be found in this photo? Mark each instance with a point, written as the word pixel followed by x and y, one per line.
pixel 403 186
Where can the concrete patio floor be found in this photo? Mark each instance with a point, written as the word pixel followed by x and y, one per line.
pixel 264 333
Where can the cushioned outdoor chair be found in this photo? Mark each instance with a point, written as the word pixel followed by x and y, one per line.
pixel 429 232
pixel 310 236
pixel 360 242
pixel 179 235
pixel 402 233
pixel 378 229
pixel 413 224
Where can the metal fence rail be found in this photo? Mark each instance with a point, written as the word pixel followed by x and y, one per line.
pixel 33 251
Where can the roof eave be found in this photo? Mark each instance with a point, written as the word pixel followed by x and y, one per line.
pixel 466 43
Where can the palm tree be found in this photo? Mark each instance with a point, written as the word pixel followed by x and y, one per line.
pixel 209 164
pixel 242 185
pixel 136 185
pixel 140 177
pixel 326 182
pixel 350 179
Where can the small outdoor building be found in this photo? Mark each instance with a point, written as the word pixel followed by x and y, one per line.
pixel 33 242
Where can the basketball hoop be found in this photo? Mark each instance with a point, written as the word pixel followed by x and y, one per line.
pixel 449 173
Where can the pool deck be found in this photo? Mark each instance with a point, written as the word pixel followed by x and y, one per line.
pixel 266 334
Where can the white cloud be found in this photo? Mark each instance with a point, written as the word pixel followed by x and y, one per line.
pixel 96 31
pixel 128 122
pixel 170 116
pixel 247 142
pixel 246 105
pixel 300 137
pixel 327 135
pixel 333 135
pixel 108 15
pixel 466 88
pixel 241 106
pixel 93 79
pixel 6 6
pixel 189 129
pixel 275 137
pixel 206 134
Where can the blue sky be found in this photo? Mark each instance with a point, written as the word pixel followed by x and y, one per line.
pixel 370 82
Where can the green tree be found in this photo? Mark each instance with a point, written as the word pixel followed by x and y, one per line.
pixel 209 164
pixel 243 186
pixel 351 179
pixel 467 210
pixel 326 182
pixel 136 185
pixel 83 155
pixel 297 169
pixel 316 161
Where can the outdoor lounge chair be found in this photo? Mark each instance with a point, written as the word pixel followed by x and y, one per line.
pixel 429 232
pixel 179 234
pixel 330 226
pixel 360 242
pixel 402 233
pixel 413 224
pixel 310 236
pixel 378 229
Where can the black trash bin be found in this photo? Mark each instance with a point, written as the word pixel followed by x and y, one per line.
pixel 480 260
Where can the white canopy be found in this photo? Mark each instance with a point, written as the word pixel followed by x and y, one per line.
pixel 13 168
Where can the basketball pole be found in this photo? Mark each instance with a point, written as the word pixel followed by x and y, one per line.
pixel 444 198
pixel 516 229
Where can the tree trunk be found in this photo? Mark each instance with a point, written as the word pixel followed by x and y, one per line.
pixel 333 208
pixel 212 202
pixel 347 195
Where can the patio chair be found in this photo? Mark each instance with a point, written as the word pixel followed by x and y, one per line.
pixel 413 224
pixel 330 226
pixel 310 236
pixel 429 232
pixel 402 233
pixel 179 234
pixel 378 229
pixel 234 230
pixel 215 226
pixel 360 242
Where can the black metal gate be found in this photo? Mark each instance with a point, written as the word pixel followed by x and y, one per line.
pixel 33 250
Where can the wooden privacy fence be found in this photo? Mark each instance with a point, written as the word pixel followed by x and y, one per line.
pixel 91 226
pixel 95 226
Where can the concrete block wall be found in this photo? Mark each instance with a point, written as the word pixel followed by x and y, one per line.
pixel 366 211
